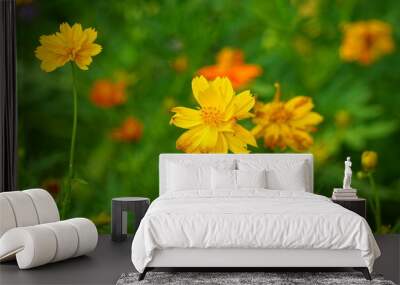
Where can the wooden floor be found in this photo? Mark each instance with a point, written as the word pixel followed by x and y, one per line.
pixel 111 259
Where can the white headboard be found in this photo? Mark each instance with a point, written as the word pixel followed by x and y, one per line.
pixel 164 157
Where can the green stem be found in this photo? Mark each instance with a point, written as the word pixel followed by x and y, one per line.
pixel 378 220
pixel 71 170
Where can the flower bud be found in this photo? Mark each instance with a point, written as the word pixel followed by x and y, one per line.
pixel 369 160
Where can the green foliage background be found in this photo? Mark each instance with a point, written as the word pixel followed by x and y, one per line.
pixel 295 42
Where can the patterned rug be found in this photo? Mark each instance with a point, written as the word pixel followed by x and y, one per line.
pixel 233 278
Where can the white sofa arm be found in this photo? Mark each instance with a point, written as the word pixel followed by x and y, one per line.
pixel 40 244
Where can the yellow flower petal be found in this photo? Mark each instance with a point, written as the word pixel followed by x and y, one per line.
pixel 185 117
pixel 301 140
pixel 65 29
pixel 272 136
pixel 226 127
pixel 198 139
pixel 189 140
pixel 309 120
pixel 221 145
pixel 243 103
pixel 210 98
pixel 244 135
pixel 224 87
pixel 257 131
pixel 199 84
pixel 235 144
pixel 50 59
pixel 300 106
pixel 208 139
pixel 83 62
pixel 91 35
pixel 89 50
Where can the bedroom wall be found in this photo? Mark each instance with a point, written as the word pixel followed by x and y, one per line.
pixel 342 55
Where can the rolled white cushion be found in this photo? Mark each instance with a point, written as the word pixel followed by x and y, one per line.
pixel 23 208
pixel 45 205
pixel 87 235
pixel 33 246
pixel 37 245
pixel 7 218
pixel 67 240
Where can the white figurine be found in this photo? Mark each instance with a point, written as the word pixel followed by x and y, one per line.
pixel 347 174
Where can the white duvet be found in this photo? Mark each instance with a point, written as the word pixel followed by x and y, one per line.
pixel 251 218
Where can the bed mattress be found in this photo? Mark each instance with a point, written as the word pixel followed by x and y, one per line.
pixel 250 219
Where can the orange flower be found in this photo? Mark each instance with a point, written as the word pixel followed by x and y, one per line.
pixel 180 63
pixel 130 130
pixel 230 63
pixel 107 94
pixel 366 41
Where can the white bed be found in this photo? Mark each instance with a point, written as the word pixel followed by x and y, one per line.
pixel 249 227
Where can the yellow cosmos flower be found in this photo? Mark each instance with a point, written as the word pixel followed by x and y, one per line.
pixel 213 127
pixel 70 44
pixel 366 41
pixel 286 124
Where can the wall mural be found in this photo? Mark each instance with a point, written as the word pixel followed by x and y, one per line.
pixel 104 90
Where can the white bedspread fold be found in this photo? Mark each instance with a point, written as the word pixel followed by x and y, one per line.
pixel 250 218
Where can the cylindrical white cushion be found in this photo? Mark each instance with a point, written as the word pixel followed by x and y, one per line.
pixel 45 205
pixel 41 244
pixel 33 246
pixel 87 234
pixel 23 208
pixel 7 218
pixel 67 240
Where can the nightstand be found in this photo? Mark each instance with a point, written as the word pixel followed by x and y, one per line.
pixel 358 206
pixel 137 205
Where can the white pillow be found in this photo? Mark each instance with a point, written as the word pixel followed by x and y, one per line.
pixel 251 178
pixel 281 174
pixel 193 174
pixel 228 179
pixel 223 179
pixel 189 177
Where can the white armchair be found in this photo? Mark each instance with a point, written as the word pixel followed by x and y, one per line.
pixel 31 230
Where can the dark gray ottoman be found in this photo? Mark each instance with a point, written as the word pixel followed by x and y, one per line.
pixel 137 205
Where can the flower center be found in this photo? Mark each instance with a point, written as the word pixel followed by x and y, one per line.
pixel 72 53
pixel 369 41
pixel 280 115
pixel 211 116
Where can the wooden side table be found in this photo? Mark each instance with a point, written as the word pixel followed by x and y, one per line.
pixel 358 206
pixel 137 205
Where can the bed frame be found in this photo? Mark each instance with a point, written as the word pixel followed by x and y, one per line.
pixel 249 258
